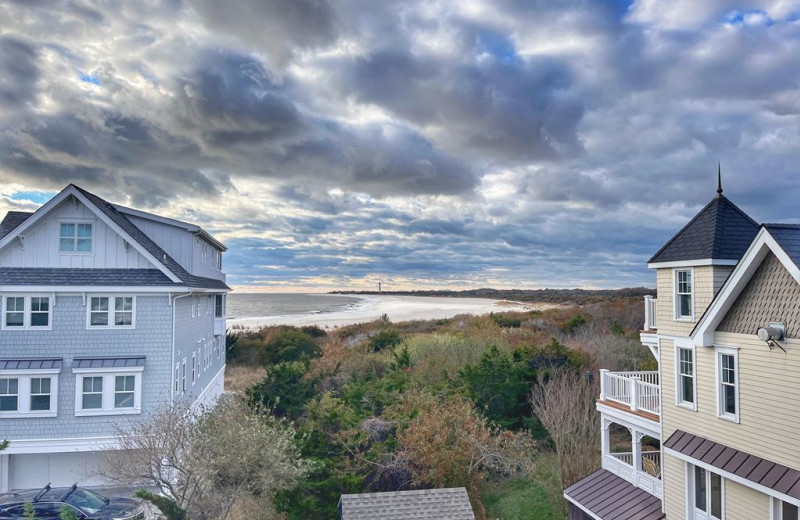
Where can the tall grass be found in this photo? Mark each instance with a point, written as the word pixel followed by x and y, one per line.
pixel 240 377
pixel 434 355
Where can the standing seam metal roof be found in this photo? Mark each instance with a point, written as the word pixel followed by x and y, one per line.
pixel 613 498
pixel 109 362
pixel 782 479
pixel 31 364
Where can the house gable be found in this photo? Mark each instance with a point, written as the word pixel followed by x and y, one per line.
pixel 771 295
pixel 39 245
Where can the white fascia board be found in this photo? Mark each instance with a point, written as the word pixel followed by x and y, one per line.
pixel 692 263
pixel 764 243
pixel 78 289
pixel 731 476
pixel 19 447
pixel 623 418
pixel 579 506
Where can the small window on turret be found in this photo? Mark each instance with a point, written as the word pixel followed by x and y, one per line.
pixel 683 294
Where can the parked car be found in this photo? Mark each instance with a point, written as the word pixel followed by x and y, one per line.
pixel 87 505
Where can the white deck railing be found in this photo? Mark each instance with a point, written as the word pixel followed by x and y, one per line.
pixel 637 390
pixel 650 314
pixel 646 476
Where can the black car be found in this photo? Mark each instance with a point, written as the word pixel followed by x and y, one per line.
pixel 47 503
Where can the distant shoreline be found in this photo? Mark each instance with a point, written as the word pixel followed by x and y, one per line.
pixel 562 296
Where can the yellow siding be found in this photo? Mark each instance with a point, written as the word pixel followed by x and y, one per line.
pixel 768 390
pixel 743 503
pixel 674 475
pixel 707 281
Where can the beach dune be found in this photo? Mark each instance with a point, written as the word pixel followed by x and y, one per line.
pixel 398 308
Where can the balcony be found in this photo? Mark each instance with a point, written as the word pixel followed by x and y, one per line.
pixel 634 391
pixel 646 474
pixel 650 314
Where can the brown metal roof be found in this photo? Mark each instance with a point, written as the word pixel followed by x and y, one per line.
pixel 782 479
pixel 613 498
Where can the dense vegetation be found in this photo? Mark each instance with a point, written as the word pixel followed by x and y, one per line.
pixel 385 406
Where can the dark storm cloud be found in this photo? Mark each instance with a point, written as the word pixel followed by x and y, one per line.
pixel 481 142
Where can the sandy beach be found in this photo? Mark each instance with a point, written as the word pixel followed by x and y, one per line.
pixel 398 308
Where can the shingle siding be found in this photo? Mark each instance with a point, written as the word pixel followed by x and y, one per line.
pixel 191 336
pixel 69 338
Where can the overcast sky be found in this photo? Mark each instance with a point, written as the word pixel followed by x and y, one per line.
pixel 464 143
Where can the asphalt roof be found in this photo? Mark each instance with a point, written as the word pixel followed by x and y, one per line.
pixel 421 504
pixel 755 469
pixel 613 498
pixel 720 231
pixel 12 220
pixel 77 276
pixel 788 237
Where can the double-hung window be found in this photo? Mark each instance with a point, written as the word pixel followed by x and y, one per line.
pixel 75 237
pixel 219 306
pixel 194 368
pixel 686 377
pixel 727 383
pixel 111 312
pixel 29 392
pixel 183 376
pixel 9 394
pixel 108 391
pixel 706 493
pixel 26 312
pixel 684 291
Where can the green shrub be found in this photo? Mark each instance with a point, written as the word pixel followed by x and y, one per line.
pixel 231 342
pixel 285 390
pixel 318 496
pixel 167 506
pixel 401 359
pixel 499 387
pixel 313 331
pixel 574 323
pixel 28 512
pixel 386 338
pixel 506 320
pixel 290 345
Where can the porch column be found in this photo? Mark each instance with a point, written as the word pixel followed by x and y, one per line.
pixel 603 373
pixel 605 440
pixel 4 483
pixel 636 440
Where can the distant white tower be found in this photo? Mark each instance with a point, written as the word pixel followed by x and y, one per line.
pixel 379 286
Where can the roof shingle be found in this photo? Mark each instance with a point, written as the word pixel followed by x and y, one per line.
pixel 720 231
pixel 12 220
pixel 421 504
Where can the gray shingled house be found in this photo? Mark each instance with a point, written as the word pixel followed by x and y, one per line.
pixel 421 504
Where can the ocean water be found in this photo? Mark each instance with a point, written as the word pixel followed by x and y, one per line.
pixel 259 305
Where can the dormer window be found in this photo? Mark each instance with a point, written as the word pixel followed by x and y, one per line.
pixel 75 237
pixel 684 291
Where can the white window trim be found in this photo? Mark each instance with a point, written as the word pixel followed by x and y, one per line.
pixel 26 312
pixel 677 368
pixel 690 492
pixel 194 368
pixel 108 375
pixel 775 509
pixel 24 393
pixel 76 221
pixel 183 377
pixel 675 305
pixel 111 312
pixel 732 351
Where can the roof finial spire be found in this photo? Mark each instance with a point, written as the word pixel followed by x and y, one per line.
pixel 719 179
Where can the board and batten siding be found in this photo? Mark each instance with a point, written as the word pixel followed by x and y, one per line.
pixel 708 280
pixel 41 244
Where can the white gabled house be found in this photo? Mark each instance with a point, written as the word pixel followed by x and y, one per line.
pixel 106 312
